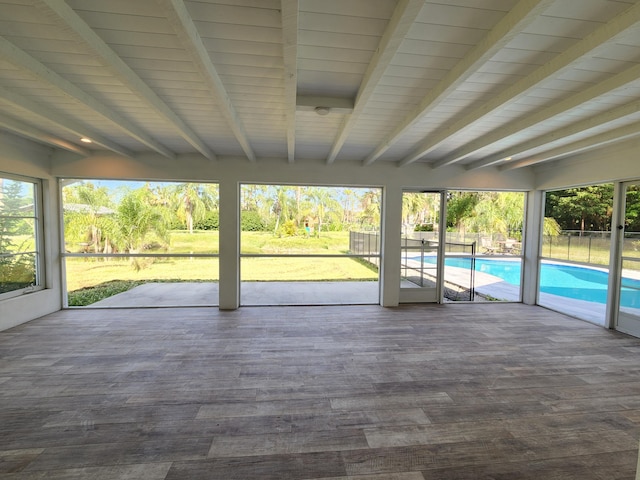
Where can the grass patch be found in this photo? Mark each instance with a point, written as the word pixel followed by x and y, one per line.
pixel 87 296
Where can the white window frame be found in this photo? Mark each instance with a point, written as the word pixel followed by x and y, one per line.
pixel 39 236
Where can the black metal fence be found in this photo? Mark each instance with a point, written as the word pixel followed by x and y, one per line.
pixel 591 247
pixel 418 262
pixel 366 244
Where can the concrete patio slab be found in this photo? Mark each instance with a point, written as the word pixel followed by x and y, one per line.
pixel 251 294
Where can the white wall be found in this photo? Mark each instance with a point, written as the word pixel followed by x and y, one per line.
pixel 607 164
pixel 22 157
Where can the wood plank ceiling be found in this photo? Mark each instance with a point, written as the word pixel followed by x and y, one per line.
pixel 476 83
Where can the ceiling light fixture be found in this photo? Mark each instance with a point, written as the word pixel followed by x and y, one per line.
pixel 86 140
pixel 322 111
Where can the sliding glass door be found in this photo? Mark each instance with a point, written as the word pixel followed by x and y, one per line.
pixel 420 248
pixel 629 278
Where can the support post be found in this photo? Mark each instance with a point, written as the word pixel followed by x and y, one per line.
pixel 229 261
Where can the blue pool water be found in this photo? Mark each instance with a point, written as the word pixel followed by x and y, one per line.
pixel 569 281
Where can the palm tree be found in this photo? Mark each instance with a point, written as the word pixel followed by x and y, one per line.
pixel 281 206
pixel 137 223
pixel 321 200
pixel 192 202
pixel 87 209
pixel 370 205
pixel 497 212
pixel 348 198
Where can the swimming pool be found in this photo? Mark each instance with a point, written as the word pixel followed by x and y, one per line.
pixel 571 281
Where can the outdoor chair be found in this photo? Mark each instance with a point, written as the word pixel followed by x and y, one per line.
pixel 487 246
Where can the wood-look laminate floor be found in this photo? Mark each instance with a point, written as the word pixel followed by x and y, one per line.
pixel 361 392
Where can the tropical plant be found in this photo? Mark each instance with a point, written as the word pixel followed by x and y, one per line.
pixel 193 201
pixel 550 227
pixel 86 217
pixel 281 205
pixel 460 205
pixel 370 210
pixel 496 212
pixel 138 224
pixel 324 206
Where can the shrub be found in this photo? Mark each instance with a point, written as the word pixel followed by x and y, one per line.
pixel 211 221
pixel 289 228
pixel 251 222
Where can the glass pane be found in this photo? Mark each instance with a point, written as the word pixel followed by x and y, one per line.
pixel 484 246
pixel 630 293
pixel 583 247
pixel 490 220
pixel 17 235
pixel 577 228
pixel 419 247
pixel 631 243
pixel 419 263
pixel 301 269
pixel 17 199
pixel 305 219
pixel 308 281
pixel 18 262
pixel 136 217
pixel 577 290
pixel 482 279
pixel 142 281
pixel 577 224
pixel 17 272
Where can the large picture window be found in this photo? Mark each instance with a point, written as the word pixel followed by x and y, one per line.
pixel 19 236
pixel 140 244
pixel 309 245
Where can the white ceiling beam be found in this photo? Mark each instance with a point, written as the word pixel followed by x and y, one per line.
pixel 512 24
pixel 22 59
pixel 597 121
pixel 595 141
pixel 80 28
pixel 289 12
pixel 77 128
pixel 602 34
pixel 40 136
pixel 403 18
pixel 181 20
pixel 617 81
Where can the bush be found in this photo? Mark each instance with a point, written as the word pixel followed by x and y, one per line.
pixel 211 221
pixel 424 227
pixel 289 228
pixel 251 222
pixel 16 274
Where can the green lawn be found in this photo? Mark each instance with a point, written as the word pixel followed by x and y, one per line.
pixel 260 242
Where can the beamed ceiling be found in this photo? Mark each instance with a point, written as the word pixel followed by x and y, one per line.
pixel 474 83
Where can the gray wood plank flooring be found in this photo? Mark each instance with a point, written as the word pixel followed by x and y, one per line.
pixel 443 392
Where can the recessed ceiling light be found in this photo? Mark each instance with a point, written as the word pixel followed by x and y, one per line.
pixel 85 140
